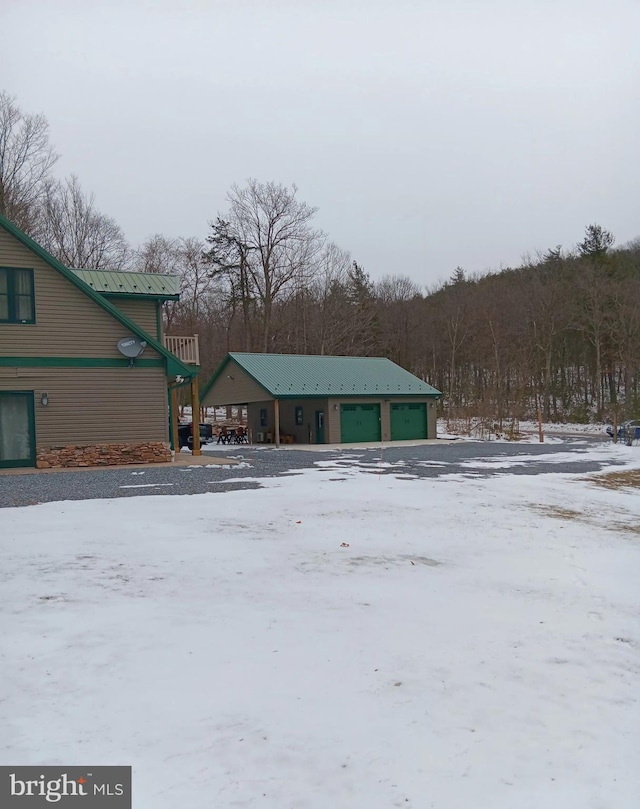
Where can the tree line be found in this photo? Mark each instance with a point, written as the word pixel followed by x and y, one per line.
pixel 559 333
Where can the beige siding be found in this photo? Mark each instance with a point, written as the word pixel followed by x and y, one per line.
pixel 332 421
pixel 68 323
pixel 94 405
pixel 242 389
pixel 302 432
pixel 333 415
pixel 143 313
pixel 253 419
pixel 431 418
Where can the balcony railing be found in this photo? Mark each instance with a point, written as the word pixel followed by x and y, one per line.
pixel 185 348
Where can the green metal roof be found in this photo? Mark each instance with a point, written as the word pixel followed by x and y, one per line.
pixel 115 282
pixel 300 375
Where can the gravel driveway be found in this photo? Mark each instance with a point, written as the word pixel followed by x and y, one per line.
pixel 466 458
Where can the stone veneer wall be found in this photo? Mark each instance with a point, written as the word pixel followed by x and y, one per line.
pixel 103 455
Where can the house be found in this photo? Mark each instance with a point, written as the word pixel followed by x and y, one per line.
pixel 75 389
pixel 324 400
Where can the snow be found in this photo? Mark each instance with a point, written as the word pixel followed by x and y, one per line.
pixel 354 641
pixel 568 428
pixel 553 433
pixel 602 453
pixel 145 485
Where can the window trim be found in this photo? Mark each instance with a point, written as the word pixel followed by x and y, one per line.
pixel 12 320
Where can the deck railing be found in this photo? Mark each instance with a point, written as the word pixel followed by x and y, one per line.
pixel 185 348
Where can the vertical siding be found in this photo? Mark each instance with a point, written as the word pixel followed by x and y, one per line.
pixel 431 418
pixel 94 405
pixel 385 420
pixel 288 425
pixel 253 418
pixel 68 323
pixel 302 431
pixel 332 422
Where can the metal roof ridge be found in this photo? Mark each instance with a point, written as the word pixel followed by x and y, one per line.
pixel 307 356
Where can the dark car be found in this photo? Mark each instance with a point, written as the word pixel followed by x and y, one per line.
pixel 185 434
pixel 627 431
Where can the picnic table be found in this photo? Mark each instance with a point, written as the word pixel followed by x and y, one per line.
pixel 233 435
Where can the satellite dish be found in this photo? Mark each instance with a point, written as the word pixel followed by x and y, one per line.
pixel 131 347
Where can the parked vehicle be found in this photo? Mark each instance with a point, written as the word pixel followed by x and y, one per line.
pixel 185 434
pixel 627 431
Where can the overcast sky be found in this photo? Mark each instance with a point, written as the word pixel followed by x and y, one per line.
pixel 429 133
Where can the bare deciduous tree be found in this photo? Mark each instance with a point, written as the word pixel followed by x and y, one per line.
pixel 185 258
pixel 229 260
pixel 281 246
pixel 71 228
pixel 330 321
pixel 397 296
pixel 26 160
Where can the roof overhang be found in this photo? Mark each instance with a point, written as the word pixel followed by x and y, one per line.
pixel 143 296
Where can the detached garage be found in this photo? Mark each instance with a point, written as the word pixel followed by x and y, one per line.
pixel 310 399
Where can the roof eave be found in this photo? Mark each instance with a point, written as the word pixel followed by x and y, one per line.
pixel 348 395
pixel 143 296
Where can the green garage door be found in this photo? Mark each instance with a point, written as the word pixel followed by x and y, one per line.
pixel 408 421
pixel 359 422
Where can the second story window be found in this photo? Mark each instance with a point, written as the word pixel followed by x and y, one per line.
pixel 17 300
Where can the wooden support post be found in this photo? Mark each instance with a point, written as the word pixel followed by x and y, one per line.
pixel 195 414
pixel 276 410
pixel 540 433
pixel 175 439
pixel 615 426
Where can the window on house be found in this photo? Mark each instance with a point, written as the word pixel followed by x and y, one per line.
pixel 298 415
pixel 263 417
pixel 17 303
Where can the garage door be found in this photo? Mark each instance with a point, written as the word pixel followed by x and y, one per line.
pixel 408 421
pixel 359 422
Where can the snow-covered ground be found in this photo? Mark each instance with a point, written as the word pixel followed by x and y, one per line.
pixel 564 428
pixel 553 433
pixel 339 638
